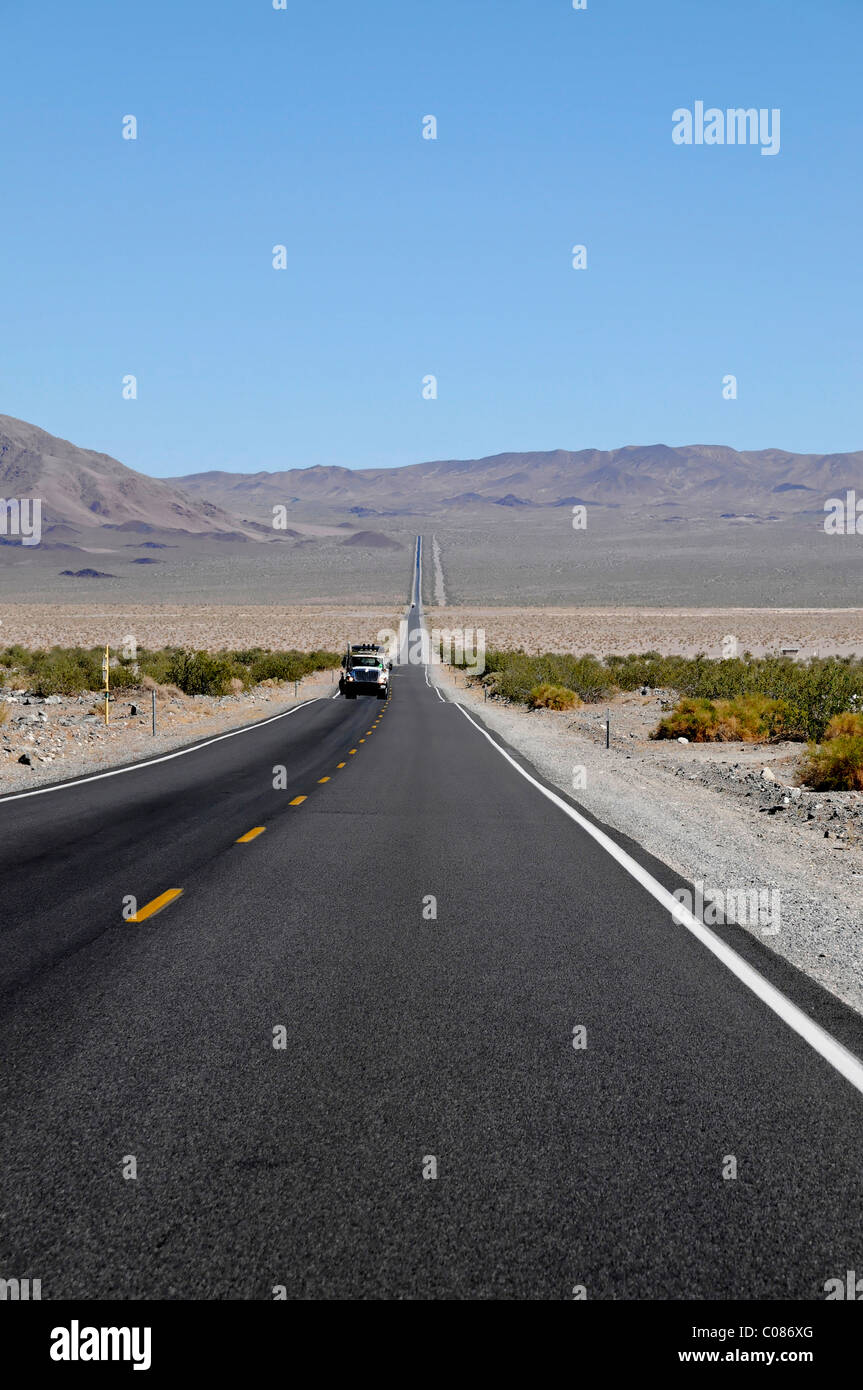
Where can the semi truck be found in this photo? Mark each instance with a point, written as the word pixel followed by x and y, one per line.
pixel 365 671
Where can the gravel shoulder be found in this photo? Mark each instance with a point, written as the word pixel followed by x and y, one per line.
pixel 62 737
pixel 728 815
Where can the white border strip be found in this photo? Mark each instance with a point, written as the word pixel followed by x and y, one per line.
pixel 827 1046
pixel 150 762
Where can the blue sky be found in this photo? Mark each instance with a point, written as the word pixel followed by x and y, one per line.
pixel 409 257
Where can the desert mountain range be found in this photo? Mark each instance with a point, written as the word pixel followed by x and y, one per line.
pixel 699 479
pixel 81 488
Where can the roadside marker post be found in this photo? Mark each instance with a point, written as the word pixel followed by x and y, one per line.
pixel 608 728
pixel 153 693
pixel 106 679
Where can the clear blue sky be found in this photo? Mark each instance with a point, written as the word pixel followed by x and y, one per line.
pixel 408 257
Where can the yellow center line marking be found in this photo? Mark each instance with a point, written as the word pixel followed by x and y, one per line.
pixel 156 905
pixel 298 801
pixel 362 740
pixel 251 834
pixel 351 752
pixel 323 779
pixel 342 764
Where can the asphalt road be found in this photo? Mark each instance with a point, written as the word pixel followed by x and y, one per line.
pixel 407 1037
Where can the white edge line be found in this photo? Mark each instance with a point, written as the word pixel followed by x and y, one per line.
pixel 150 762
pixel 823 1042
pixel 432 685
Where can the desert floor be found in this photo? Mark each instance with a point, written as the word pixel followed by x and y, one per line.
pixel 306 626
pixel 671 631
pixel 211 627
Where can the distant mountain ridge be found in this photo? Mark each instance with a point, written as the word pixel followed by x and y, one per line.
pixel 82 489
pixel 699 477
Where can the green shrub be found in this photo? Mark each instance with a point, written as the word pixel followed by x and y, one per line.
pixel 321 660
pixel 279 666
pixel 290 665
pixel 743 719
pixel 14 657
pixel 692 719
pixel 548 696
pixel 516 675
pixel 810 693
pixel 64 671
pixel 846 725
pixel 72 670
pixel 199 673
pixel 835 765
pixel 156 664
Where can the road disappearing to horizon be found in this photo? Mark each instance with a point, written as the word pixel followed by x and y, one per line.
pixel 386 1023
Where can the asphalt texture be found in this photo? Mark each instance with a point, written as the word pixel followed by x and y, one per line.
pixel 409 1037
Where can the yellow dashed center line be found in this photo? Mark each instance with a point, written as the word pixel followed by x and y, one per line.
pixel 164 899
pixel 156 905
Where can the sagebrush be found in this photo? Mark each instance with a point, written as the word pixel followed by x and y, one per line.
pixel 809 694
pixel 75 670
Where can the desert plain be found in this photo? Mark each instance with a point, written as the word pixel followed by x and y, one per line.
pixel 603 631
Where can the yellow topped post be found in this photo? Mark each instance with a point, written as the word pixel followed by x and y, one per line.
pixel 106 679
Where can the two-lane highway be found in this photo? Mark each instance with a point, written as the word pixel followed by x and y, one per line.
pixel 70 855
pixel 385 983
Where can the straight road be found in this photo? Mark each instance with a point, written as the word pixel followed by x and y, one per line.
pixel 424 932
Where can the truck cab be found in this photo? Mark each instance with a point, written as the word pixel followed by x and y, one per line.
pixel 365 671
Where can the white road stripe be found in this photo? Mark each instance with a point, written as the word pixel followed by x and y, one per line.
pixel 827 1046
pixel 165 758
